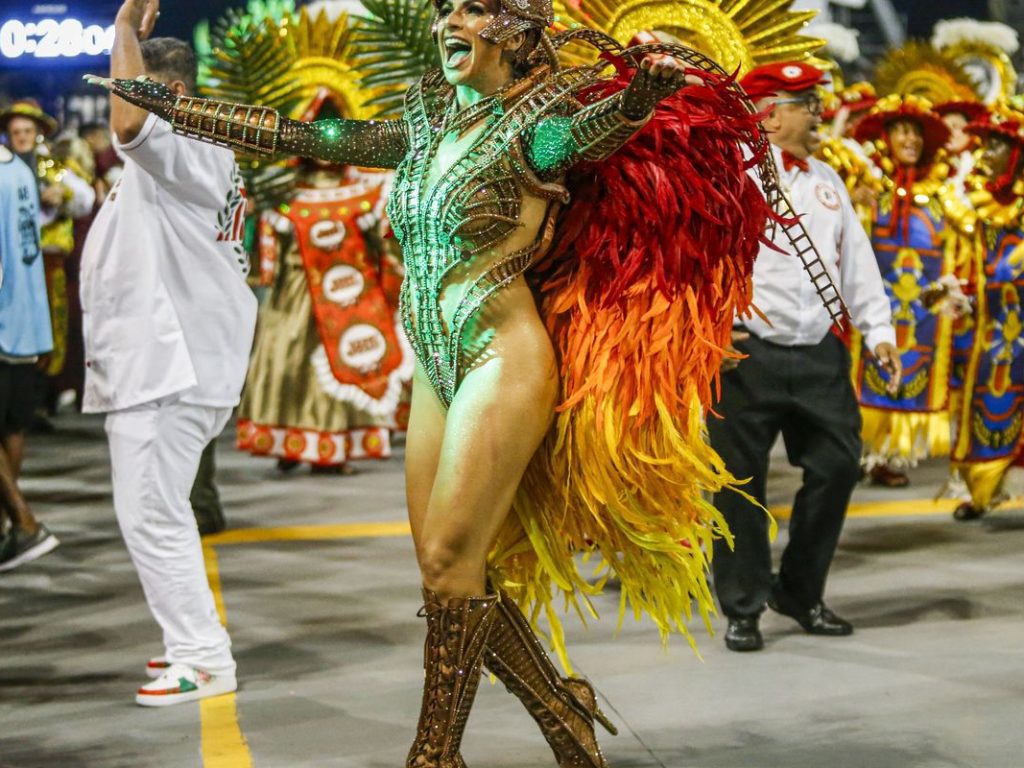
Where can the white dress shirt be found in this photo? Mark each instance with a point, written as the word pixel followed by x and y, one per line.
pixel 783 290
pixel 165 306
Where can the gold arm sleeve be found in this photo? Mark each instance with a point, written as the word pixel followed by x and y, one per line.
pixel 263 131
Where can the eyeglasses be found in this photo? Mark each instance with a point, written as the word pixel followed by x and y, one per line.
pixel 811 102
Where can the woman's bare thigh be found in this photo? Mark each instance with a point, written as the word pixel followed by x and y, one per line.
pixel 498 419
pixel 422 449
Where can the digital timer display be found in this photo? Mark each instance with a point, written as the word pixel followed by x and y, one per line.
pixel 54 39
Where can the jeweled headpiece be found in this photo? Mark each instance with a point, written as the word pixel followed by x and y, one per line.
pixel 515 16
pixel 518 16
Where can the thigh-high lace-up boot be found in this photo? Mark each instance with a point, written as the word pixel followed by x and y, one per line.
pixel 457 635
pixel 565 708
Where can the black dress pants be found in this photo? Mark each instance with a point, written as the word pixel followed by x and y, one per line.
pixel 805 393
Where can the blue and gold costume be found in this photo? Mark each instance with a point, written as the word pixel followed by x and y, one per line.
pixel 991 417
pixel 908 235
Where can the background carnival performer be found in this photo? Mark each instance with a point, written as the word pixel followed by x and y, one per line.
pixel 795 381
pixel 990 437
pixel 168 327
pixel 920 69
pixel 65 194
pixel 962 243
pixel 482 157
pixel 846 156
pixel 25 340
pixel 331 371
pixel 907 235
pixel 328 368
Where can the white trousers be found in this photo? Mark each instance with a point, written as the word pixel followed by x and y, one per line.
pixel 154 455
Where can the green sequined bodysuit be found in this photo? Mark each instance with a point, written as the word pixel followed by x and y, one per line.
pixel 535 132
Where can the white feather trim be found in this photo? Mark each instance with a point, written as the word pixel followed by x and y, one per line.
pixel 378 408
pixel 334 8
pixel 949 32
pixel 840 42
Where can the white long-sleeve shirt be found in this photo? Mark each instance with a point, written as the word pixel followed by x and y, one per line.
pixel 165 306
pixel 783 290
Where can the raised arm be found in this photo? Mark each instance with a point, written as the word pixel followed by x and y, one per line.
pixel 263 131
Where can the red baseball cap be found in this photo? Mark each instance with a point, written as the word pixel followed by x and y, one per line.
pixel 781 77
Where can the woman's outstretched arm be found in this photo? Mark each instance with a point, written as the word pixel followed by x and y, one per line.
pixel 263 131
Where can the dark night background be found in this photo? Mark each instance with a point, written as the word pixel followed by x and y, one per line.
pixel 57 83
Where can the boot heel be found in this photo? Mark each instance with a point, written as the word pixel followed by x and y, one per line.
pixel 602 718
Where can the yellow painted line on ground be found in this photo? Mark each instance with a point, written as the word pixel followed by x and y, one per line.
pixel 903 508
pixel 907 507
pixel 310 533
pixel 223 744
pixel 213 576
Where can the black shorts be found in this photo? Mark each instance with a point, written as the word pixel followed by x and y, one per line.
pixel 17 396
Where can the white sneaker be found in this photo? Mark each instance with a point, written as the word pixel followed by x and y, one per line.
pixel 156 667
pixel 180 683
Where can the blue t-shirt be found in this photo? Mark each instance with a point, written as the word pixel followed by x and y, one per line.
pixel 24 307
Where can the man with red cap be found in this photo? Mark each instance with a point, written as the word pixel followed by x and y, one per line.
pixel 795 380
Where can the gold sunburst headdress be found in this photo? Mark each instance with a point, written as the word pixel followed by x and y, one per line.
pixel 918 69
pixel 983 49
pixel 283 62
pixel 737 34
pixel 270 55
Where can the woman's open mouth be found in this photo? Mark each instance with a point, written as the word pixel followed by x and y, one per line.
pixel 456 52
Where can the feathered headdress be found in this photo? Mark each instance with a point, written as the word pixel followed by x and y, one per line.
pixel 270 55
pixel 983 49
pixel 736 35
pixel 918 69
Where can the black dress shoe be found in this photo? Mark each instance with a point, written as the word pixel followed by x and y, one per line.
pixel 816 620
pixel 968 511
pixel 744 634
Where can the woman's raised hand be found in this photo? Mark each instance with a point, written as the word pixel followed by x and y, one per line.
pixel 658 77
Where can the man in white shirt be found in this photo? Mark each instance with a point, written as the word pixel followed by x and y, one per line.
pixel 168 323
pixel 795 380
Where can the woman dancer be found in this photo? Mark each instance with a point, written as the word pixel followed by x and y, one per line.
pixel 481 160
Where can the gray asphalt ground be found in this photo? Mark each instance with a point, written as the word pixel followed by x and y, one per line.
pixel 329 646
